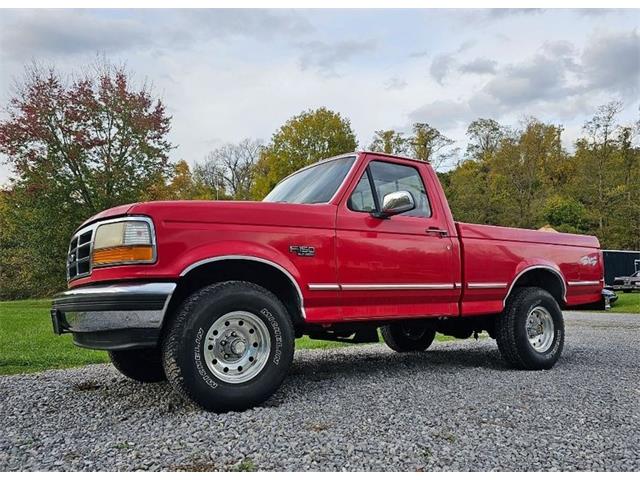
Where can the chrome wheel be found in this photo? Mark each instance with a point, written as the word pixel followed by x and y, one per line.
pixel 237 347
pixel 540 329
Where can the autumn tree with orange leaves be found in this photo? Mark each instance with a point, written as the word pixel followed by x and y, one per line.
pixel 75 147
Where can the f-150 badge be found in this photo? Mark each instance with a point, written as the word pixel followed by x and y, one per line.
pixel 302 250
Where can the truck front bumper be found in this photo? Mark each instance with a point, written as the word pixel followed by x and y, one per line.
pixel 113 317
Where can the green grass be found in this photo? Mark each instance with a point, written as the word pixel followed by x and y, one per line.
pixel 627 303
pixel 27 342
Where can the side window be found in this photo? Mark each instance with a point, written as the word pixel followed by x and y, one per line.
pixel 391 177
pixel 361 200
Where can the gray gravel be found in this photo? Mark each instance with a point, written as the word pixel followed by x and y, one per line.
pixel 454 407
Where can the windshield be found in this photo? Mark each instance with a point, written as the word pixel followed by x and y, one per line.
pixel 315 184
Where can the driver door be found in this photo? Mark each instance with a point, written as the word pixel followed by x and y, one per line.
pixel 398 267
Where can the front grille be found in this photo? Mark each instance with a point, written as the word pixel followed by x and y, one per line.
pixel 79 257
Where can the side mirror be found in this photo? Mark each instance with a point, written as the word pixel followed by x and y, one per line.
pixel 395 203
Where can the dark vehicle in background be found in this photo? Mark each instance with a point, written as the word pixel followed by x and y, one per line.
pixel 620 263
pixel 628 283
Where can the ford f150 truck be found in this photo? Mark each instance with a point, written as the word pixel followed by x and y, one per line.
pixel 212 294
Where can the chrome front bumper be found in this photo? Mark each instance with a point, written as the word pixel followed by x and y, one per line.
pixel 113 317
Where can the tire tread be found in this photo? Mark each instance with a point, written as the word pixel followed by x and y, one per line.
pixel 507 322
pixel 171 341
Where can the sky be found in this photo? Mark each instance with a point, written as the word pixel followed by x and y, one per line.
pixel 226 75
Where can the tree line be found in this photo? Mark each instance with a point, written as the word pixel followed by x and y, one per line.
pixel 76 147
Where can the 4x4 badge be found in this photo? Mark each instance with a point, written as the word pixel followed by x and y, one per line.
pixel 302 250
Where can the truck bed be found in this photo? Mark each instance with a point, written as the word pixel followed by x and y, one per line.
pixel 490 232
pixel 493 258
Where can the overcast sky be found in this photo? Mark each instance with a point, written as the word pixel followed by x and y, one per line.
pixel 229 74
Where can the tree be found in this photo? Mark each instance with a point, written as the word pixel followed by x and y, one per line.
pixel 231 168
pixel 594 154
pixel 97 137
pixel 566 214
pixel 211 177
pixel 520 172
pixel 468 193
pixel 485 135
pixel 301 141
pixel 75 148
pixel 625 226
pixel 389 141
pixel 183 186
pixel 427 144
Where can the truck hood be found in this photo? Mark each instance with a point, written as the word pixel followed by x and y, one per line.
pixel 237 212
pixel 108 213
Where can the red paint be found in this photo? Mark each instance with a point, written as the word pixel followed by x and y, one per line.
pixel 356 248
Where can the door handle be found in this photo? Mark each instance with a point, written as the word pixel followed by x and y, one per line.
pixel 439 232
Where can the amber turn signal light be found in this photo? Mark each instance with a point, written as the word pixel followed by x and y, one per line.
pixel 123 254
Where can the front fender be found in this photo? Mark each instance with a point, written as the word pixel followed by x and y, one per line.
pixel 237 250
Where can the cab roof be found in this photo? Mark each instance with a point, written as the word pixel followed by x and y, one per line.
pixel 388 155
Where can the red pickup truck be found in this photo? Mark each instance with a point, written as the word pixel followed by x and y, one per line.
pixel 212 294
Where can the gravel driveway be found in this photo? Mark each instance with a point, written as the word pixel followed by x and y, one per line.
pixel 454 407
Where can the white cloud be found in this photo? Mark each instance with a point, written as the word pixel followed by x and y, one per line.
pixel 326 57
pixel 45 32
pixel 560 81
pixel 230 74
pixel 479 66
pixel 443 114
pixel 613 62
pixel 441 66
pixel 395 83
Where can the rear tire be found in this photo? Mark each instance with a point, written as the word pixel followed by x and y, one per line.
pixel 408 337
pixel 530 330
pixel 229 346
pixel 143 364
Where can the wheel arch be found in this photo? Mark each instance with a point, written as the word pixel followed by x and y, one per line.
pixel 266 273
pixel 543 276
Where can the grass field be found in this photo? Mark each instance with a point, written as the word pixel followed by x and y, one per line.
pixel 27 343
pixel 627 303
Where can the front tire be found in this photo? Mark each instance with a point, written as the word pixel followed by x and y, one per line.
pixel 229 346
pixel 530 330
pixel 408 337
pixel 142 364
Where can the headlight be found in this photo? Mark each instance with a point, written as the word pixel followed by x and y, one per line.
pixel 125 242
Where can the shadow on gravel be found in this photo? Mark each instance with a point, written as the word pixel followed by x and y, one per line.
pixel 342 364
pixel 87 386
